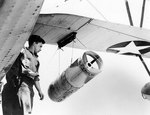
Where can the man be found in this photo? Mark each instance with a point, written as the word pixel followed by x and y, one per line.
pixel 17 94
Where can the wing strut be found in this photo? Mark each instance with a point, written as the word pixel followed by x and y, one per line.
pixel 141 23
pixel 128 12
pixel 142 14
pixel 143 62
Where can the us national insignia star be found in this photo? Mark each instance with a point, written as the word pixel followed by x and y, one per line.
pixel 130 47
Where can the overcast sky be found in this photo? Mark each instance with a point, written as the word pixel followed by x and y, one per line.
pixel 116 90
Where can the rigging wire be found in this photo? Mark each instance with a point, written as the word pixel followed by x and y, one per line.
pixel 72 52
pixel 54 54
pixel 82 43
pixel 59 63
pixel 52 57
pixel 97 10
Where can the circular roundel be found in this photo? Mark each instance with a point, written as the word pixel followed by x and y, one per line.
pixel 137 47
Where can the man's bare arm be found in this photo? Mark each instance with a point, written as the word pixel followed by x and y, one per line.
pixel 37 86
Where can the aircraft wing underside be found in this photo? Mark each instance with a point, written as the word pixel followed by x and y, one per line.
pixel 94 34
pixel 17 19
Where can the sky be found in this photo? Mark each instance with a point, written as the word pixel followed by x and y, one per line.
pixel 117 89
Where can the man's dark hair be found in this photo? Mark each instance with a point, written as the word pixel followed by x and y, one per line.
pixel 36 39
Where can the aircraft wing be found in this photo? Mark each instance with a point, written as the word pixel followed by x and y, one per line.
pixel 17 19
pixel 93 34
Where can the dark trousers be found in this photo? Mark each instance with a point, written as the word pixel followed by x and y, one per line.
pixel 10 102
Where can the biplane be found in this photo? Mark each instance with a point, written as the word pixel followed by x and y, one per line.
pixel 21 18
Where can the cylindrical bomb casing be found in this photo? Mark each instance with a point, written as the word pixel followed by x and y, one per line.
pixel 74 77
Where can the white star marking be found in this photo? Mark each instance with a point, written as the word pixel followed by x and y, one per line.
pixel 130 48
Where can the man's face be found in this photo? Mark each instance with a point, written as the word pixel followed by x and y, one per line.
pixel 38 47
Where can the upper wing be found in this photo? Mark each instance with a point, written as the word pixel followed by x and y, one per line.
pixel 17 19
pixel 94 34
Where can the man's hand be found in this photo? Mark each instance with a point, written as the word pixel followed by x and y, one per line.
pixel 41 95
